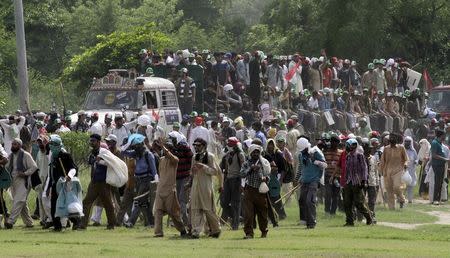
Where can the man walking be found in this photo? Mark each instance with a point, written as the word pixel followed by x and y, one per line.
pixel 394 161
pixel 145 172
pixel 255 170
pixel 332 188
pixel 21 165
pixel 181 149
pixel 98 188
pixel 311 166
pixel 356 177
pixel 166 201
pixel 204 168
pixel 231 196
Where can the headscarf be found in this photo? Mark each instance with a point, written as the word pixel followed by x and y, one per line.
pixel 135 139
pixel 239 121
pixel 254 147
pixel 274 144
pixel 178 136
pixel 272 132
pixel 55 144
pixel 18 140
pixel 424 151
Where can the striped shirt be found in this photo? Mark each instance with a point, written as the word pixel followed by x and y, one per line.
pixel 184 154
pixel 332 157
pixel 356 168
pixel 182 86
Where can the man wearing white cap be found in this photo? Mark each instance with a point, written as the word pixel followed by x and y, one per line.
pixel 310 170
pixel 21 165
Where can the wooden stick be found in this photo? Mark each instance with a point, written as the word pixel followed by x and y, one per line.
pixel 288 193
pixel 3 206
pixel 62 166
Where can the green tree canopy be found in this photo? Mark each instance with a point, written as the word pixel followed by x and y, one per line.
pixel 117 50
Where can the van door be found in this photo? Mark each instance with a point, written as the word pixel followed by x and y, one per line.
pixel 170 107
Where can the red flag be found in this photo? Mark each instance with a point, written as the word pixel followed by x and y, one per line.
pixel 291 73
pixel 155 115
pixel 427 79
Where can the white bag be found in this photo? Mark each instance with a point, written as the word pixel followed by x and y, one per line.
pixel 263 188
pixel 75 208
pixel 117 170
pixel 406 178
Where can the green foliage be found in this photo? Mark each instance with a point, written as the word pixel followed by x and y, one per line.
pixel 7 59
pixel 191 34
pixel 87 20
pixel 118 50
pixel 259 37
pixel 78 145
pixel 44 91
pixel 162 13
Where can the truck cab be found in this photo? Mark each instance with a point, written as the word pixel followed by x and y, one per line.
pixel 122 91
pixel 439 100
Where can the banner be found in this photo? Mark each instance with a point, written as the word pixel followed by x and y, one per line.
pixel 427 79
pixel 329 117
pixel 413 79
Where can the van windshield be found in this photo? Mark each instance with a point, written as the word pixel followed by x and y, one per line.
pixel 112 99
pixel 439 100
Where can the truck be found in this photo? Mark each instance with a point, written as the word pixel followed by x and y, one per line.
pixel 439 100
pixel 123 91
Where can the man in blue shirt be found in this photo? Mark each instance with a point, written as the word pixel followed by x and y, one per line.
pixel 310 169
pixel 257 127
pixel 145 172
pixel 98 188
pixel 438 161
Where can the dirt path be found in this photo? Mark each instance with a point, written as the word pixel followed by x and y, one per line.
pixel 443 219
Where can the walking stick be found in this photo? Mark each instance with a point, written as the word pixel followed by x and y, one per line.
pixel 288 193
pixel 3 205
pixel 62 166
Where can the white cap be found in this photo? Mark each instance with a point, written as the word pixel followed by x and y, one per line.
pixel 111 137
pixel 144 120
pixel 302 144
pixel 227 87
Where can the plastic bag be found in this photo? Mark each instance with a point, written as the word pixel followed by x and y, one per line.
pixel 406 178
pixel 263 188
pixel 75 208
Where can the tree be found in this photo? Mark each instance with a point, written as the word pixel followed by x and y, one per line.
pixel 87 20
pixel 161 12
pixel 117 50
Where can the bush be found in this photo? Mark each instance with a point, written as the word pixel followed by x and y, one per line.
pixel 77 144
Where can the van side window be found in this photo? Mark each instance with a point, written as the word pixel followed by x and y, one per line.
pixel 168 99
pixel 151 99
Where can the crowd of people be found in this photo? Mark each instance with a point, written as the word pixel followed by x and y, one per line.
pixel 171 172
pixel 266 149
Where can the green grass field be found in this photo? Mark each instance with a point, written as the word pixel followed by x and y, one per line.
pixel 329 239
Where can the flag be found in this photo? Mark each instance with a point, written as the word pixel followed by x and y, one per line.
pixel 155 115
pixel 291 73
pixel 427 79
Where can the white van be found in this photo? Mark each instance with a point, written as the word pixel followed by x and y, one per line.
pixel 122 91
